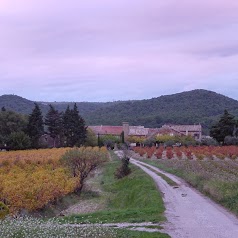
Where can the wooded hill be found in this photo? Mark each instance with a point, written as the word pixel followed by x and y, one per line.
pixel 196 106
pixel 21 105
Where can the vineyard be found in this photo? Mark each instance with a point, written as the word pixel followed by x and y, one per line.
pixel 191 153
pixel 31 179
pixel 212 170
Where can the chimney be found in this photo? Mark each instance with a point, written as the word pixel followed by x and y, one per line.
pixel 125 128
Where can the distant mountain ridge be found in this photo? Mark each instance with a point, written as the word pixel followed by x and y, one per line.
pixel 25 106
pixel 196 106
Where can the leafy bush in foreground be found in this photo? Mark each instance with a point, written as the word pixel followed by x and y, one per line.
pixel 81 161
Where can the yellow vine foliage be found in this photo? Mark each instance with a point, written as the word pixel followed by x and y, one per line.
pixel 31 179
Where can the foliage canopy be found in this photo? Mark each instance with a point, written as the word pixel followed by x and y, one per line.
pixel 224 127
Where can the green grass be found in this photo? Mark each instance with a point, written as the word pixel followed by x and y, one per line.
pixel 53 210
pixel 194 179
pixel 167 179
pixel 134 198
pixel 156 163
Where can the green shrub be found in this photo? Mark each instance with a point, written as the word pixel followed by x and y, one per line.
pixel 91 139
pixel 19 141
pixel 231 140
pixel 209 141
pixel 124 169
pixel 150 142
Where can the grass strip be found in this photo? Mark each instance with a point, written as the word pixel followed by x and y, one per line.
pixel 134 198
pixel 163 176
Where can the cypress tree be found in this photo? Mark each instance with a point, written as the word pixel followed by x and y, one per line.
pixel 80 130
pixel 74 127
pixel 53 121
pixel 67 126
pixel 35 126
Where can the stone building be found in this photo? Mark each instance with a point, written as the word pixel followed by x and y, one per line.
pixel 107 130
pixel 192 130
pixel 173 130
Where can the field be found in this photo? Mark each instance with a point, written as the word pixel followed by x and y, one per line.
pixel 212 170
pixel 29 180
pixel 197 153
pixel 132 199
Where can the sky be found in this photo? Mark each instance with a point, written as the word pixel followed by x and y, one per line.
pixel 108 50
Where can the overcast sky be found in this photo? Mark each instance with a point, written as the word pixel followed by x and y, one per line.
pixel 105 50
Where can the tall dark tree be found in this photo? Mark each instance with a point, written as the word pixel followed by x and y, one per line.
pixel 74 127
pixel 80 128
pixel 53 121
pixel 3 109
pixel 35 127
pixel 225 127
pixel 67 126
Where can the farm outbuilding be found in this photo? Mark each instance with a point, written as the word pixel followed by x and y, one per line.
pixel 140 131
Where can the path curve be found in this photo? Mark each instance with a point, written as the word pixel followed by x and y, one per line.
pixel 189 213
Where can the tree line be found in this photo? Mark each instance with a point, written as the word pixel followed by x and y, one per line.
pixel 65 129
pixel 197 106
pixel 225 131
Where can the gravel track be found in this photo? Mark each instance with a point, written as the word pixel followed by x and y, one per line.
pixel 189 213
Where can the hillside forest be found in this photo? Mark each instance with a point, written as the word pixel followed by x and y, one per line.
pixel 192 107
pixel 68 129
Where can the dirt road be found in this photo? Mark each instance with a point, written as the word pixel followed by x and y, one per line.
pixel 189 213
